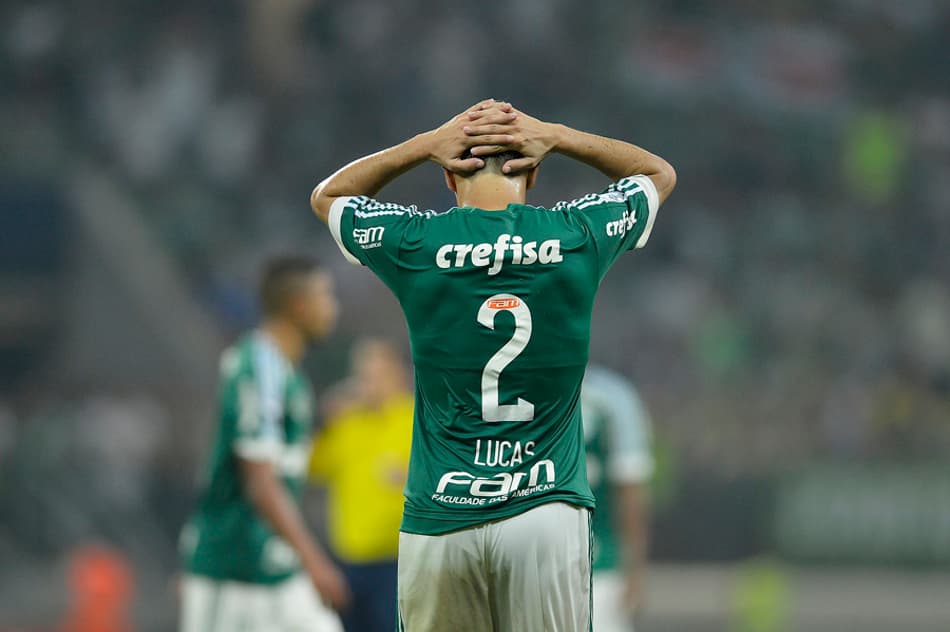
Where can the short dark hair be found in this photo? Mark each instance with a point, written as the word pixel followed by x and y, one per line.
pixel 282 278
pixel 495 162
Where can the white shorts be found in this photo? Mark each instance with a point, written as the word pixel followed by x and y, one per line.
pixel 610 613
pixel 527 573
pixel 210 605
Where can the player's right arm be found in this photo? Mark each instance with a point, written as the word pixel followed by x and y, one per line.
pixel 269 497
pixel 535 139
pixel 443 145
pixel 257 448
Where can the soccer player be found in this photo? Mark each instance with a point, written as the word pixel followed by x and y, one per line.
pixel 497 296
pixel 250 562
pixel 619 463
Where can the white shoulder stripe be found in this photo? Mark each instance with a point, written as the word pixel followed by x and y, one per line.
pixel 266 450
pixel 333 221
pixel 406 210
pixel 369 214
pixel 365 208
pixel 628 181
pixel 270 373
pixel 620 192
pixel 620 195
pixel 653 205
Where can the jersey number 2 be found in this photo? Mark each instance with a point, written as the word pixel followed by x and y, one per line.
pixel 491 409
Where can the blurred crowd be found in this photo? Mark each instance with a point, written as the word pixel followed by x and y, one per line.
pixel 793 305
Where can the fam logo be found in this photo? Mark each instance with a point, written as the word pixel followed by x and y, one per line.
pixel 619 228
pixel 368 237
pixel 501 484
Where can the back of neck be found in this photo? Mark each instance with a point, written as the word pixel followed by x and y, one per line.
pixel 491 193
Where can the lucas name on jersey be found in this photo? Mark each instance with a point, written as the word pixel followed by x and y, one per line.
pixel 465 488
pixel 493 256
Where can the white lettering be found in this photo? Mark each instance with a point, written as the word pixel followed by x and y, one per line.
pixel 460 251
pixel 536 470
pixel 495 453
pixel 495 487
pixel 494 456
pixel 365 236
pixel 532 490
pixel 493 255
pixel 480 255
pixel 501 482
pixel 619 227
pixel 442 256
pixel 478 452
pixel 550 251
pixel 458 500
pixel 530 256
pixel 501 245
pixel 515 455
pixel 516 480
pixel 453 478
pixel 516 250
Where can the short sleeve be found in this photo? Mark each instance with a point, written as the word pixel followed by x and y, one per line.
pixel 620 218
pixel 260 408
pixel 628 426
pixel 369 232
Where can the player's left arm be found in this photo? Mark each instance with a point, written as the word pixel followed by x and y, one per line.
pixel 629 468
pixel 443 145
pixel 632 519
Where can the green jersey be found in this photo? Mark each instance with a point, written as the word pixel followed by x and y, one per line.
pixel 264 413
pixel 617 433
pixel 498 305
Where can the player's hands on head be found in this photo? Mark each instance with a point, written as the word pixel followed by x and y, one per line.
pixel 450 141
pixel 532 138
pixel 330 583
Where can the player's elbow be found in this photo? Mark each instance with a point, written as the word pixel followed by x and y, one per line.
pixel 315 198
pixel 321 199
pixel 320 202
pixel 665 180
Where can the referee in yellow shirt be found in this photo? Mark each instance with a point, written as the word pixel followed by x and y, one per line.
pixel 362 457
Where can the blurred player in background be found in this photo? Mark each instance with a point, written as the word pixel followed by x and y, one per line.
pixel 362 455
pixel 250 561
pixel 619 465
pixel 498 298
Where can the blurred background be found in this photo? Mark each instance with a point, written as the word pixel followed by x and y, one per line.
pixel 788 327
